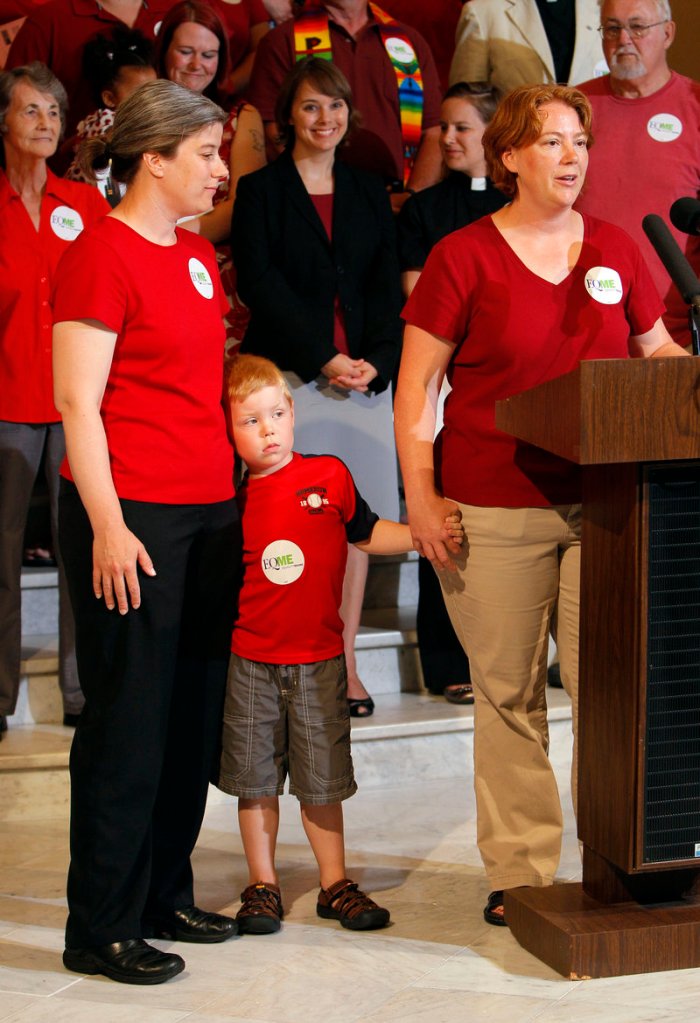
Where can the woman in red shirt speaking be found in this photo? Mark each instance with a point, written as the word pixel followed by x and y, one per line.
pixel 514 299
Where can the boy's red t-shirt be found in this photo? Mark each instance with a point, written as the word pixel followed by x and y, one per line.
pixel 297 523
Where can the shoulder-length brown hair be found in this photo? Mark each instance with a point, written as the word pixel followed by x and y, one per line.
pixel 517 123
pixel 324 76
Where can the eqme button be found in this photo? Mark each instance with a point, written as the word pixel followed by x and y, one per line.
pixel 66 223
pixel 604 285
pixel 282 562
pixel 664 127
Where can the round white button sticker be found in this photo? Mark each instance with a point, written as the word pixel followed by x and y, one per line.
pixel 66 223
pixel 201 279
pixel 400 49
pixel 282 562
pixel 664 127
pixel 604 285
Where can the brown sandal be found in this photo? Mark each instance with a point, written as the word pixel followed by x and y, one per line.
pixel 261 912
pixel 344 902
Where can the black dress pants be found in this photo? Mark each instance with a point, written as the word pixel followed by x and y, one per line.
pixel 148 739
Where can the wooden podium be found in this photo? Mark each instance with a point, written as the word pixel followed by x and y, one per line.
pixel 634 427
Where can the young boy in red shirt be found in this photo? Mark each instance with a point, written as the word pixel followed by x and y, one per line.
pixel 286 708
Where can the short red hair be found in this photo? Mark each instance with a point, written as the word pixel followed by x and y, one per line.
pixel 517 123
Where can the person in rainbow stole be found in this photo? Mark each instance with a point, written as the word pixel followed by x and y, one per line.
pixel 393 79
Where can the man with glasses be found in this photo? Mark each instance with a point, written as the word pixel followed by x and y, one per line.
pixel 646 126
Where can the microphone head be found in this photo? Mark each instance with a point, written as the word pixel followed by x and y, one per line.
pixel 685 215
pixel 668 251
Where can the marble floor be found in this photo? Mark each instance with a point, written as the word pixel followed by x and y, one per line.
pixel 411 845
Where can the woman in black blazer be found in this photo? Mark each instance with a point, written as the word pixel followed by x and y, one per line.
pixel 315 252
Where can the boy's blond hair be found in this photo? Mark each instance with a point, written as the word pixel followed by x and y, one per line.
pixel 246 374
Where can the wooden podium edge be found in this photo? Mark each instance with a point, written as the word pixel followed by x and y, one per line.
pixel 582 939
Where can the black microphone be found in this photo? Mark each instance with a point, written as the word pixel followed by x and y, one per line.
pixel 668 251
pixel 685 215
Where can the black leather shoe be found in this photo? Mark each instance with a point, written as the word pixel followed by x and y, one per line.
pixel 129 962
pixel 3 725
pixel 192 924
pixel 70 720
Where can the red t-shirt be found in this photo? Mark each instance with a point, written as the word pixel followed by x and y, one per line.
pixel 56 32
pixel 239 17
pixel 377 145
pixel 513 330
pixel 297 523
pixel 28 261
pixel 161 408
pixel 646 155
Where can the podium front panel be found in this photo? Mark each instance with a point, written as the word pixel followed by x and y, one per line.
pixel 670 819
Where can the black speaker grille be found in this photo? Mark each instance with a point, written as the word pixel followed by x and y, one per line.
pixel 672 768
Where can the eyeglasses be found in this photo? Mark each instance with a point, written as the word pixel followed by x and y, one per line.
pixel 636 30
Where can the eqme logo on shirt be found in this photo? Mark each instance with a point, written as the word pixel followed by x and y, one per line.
pixel 664 127
pixel 604 285
pixel 66 223
pixel 200 278
pixel 282 562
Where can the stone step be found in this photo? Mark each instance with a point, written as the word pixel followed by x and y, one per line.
pixel 392 582
pixel 386 650
pixel 411 737
pixel 39 601
pixel 39 699
pixel 387 659
pixel 34 772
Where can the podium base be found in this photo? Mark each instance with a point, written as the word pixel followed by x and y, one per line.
pixel 582 938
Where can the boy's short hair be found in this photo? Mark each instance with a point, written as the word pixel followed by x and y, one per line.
pixel 246 374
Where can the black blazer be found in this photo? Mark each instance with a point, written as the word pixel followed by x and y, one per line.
pixel 289 273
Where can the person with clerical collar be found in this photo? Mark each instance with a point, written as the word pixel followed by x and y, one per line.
pixel 393 79
pixel 646 123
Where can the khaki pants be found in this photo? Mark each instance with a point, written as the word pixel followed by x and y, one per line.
pixel 518 579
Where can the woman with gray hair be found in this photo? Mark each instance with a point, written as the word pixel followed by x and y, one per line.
pixel 149 527
pixel 41 217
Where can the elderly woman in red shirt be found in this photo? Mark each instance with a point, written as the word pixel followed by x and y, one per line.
pixel 41 216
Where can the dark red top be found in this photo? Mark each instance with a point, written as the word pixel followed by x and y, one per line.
pixel 239 18
pixel 512 330
pixel 56 32
pixel 323 204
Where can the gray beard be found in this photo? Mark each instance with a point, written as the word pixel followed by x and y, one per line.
pixel 624 73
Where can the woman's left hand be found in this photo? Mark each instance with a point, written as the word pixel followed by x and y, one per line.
pixel 359 381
